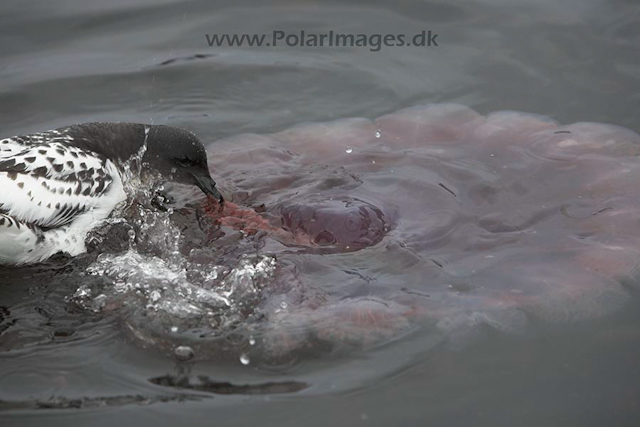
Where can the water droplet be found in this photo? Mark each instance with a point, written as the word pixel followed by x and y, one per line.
pixel 252 340
pixel 349 150
pixel 120 287
pixel 82 292
pixel 183 353
pixel 155 295
pixel 378 133
pixel 244 359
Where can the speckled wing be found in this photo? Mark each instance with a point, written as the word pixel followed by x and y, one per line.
pixel 46 181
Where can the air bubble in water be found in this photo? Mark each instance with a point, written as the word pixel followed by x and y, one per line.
pixel 349 150
pixel 183 353
pixel 244 359
pixel 252 340
pixel 174 329
pixel 378 133
pixel 283 305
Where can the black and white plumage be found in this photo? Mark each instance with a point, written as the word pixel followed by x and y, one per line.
pixel 58 185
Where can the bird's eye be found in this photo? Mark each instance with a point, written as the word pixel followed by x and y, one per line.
pixel 183 161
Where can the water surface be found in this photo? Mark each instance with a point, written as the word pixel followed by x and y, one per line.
pixel 568 360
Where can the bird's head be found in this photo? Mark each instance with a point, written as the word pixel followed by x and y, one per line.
pixel 180 156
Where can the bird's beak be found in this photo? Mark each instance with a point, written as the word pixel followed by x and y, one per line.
pixel 208 186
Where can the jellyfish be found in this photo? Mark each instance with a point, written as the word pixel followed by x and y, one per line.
pixel 434 217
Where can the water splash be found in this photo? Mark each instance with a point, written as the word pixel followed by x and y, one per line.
pixel 158 279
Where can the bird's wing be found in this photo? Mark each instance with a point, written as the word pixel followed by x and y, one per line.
pixel 16 144
pixel 50 183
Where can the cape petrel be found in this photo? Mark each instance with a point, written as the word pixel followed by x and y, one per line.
pixel 58 185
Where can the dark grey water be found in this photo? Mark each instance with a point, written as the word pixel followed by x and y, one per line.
pixel 150 62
